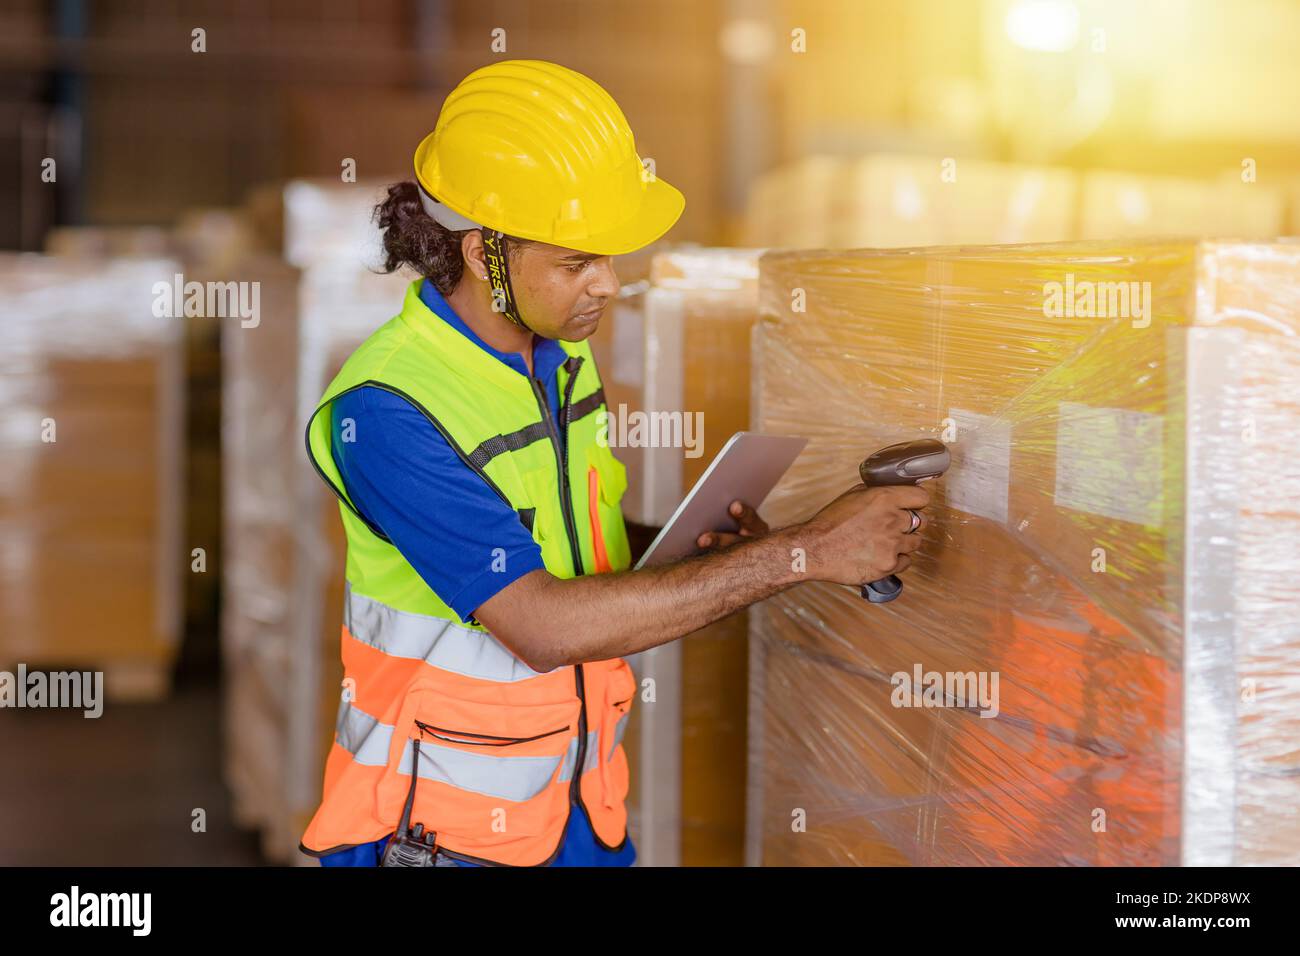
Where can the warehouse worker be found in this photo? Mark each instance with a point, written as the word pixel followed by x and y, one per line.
pixel 488 603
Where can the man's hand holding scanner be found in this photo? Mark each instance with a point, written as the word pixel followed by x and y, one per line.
pixel 863 535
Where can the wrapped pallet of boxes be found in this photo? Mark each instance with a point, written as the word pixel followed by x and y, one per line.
pixel 792 205
pixel 91 472
pixel 209 243
pixel 104 242
pixel 259 411
pixel 205 243
pixel 618 347
pixel 688 756
pixel 886 200
pixel 1118 205
pixel 1096 655
pixel 283 573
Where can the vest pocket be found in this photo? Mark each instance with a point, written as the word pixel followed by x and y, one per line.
pixel 620 689
pixel 547 528
pixel 606 485
pixel 487 770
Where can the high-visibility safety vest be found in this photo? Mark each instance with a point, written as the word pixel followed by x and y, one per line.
pixel 499 743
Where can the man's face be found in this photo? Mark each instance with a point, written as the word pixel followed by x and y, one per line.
pixel 561 293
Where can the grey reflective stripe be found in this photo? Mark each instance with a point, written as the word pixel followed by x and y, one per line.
pixel 363 736
pixel 571 756
pixel 523 437
pixel 500 444
pixel 492 775
pixel 509 778
pixel 585 406
pixel 618 735
pixel 589 761
pixel 436 641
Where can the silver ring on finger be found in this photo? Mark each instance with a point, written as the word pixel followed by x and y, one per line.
pixel 916 521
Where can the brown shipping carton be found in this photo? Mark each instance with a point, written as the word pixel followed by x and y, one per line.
pixel 688 769
pixel 283 575
pixel 1096 554
pixel 91 479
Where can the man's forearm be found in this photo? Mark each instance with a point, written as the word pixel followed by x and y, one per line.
pixel 600 616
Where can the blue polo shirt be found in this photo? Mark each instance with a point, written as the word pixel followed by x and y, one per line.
pixel 404 477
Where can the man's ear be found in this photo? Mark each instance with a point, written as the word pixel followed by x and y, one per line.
pixel 471 248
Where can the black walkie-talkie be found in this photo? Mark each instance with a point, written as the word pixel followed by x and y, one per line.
pixel 411 846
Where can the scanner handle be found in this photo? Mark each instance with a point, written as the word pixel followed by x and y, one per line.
pixel 884 590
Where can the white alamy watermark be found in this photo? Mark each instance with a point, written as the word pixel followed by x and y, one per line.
pixel 222 300
pixel 1098 300
pixel 960 689
pixel 640 429
pixel 76 908
pixel 78 690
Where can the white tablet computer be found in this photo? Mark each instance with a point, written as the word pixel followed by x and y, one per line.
pixel 747 468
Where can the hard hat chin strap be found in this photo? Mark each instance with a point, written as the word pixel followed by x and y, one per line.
pixel 494 246
pixel 497 258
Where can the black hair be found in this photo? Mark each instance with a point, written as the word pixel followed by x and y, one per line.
pixel 415 239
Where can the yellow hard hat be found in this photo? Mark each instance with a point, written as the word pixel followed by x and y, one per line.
pixel 536 150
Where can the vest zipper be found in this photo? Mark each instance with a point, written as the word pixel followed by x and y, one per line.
pixel 575 785
pixel 570 527
pixel 484 740
pixel 561 459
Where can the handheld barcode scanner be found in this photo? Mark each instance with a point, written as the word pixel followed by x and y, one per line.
pixel 906 463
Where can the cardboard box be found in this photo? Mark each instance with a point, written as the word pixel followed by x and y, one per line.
pixel 206 243
pixel 283 576
pixel 898 200
pixel 91 483
pixel 1095 545
pixel 884 200
pixel 699 306
pixel 618 346
pixel 1117 205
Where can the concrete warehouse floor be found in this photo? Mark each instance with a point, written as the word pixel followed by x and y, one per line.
pixel 124 794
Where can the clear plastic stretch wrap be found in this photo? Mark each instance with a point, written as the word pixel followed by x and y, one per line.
pixel 895 199
pixel 1117 205
pixel 1112 559
pixel 91 470
pixel 676 340
pixel 700 310
pixel 689 345
pixel 617 347
pixel 205 243
pixel 283 574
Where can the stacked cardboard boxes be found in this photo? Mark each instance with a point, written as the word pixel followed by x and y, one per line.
pixel 618 347
pixel 205 244
pixel 1102 563
pixel 885 200
pixel 285 549
pixel 891 200
pixel 91 473
pixel 688 350
pixel 1118 205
